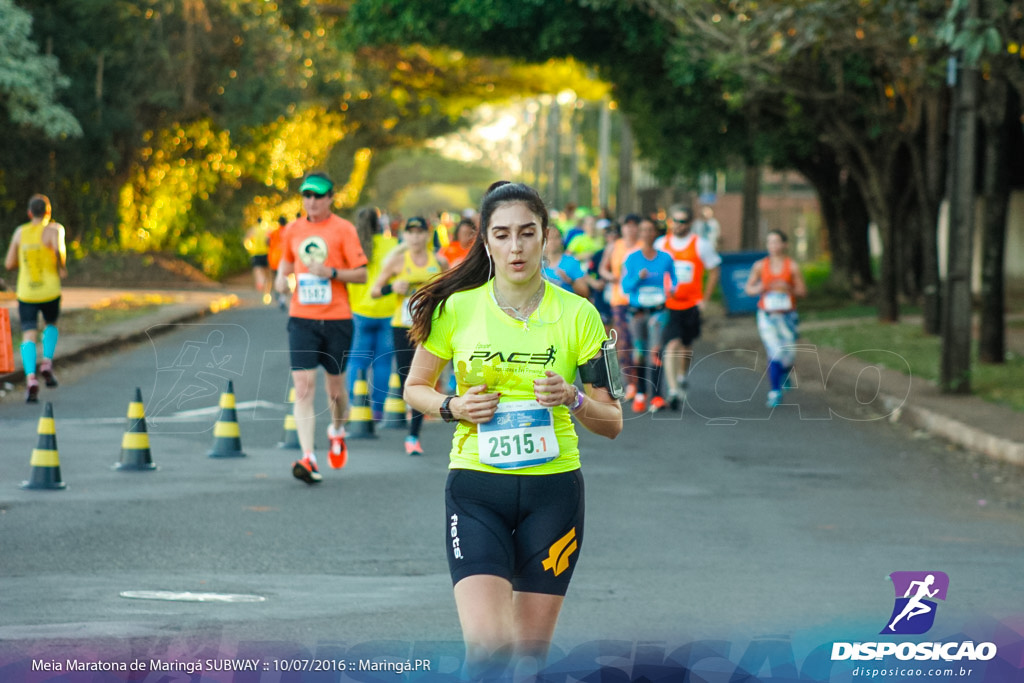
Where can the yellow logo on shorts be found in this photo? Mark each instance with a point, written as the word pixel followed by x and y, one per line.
pixel 559 552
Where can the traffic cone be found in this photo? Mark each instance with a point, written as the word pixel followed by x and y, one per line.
pixel 226 440
pixel 135 453
pixel 360 416
pixel 291 436
pixel 394 406
pixel 45 460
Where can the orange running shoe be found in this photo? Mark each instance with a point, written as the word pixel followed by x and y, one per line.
pixel 657 404
pixel 630 392
pixel 338 455
pixel 640 404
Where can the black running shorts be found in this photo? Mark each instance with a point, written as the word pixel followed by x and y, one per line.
pixel 683 325
pixel 524 528
pixel 28 313
pixel 319 342
pixel 260 261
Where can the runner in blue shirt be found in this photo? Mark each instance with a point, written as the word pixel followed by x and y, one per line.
pixel 561 269
pixel 645 273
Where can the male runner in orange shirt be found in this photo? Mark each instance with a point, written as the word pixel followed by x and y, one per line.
pixel 324 253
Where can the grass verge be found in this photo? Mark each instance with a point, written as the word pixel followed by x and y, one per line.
pixel 906 348
pixel 111 310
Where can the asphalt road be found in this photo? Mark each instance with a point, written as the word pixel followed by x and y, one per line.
pixel 728 521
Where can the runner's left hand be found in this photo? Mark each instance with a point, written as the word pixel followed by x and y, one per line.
pixel 551 390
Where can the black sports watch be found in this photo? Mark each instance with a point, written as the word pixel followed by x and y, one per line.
pixel 446 412
pixel 334 273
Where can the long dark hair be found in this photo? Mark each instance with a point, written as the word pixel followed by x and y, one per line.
pixel 476 268
pixel 367 225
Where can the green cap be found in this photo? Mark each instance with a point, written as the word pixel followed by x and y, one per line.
pixel 317 184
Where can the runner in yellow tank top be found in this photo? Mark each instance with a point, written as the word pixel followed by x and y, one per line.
pixel 405 270
pixel 37 251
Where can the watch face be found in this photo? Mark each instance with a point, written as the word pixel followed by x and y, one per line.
pixel 446 412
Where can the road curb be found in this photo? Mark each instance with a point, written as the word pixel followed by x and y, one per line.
pixel 957 432
pixel 132 331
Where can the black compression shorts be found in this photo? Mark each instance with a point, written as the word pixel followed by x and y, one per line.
pixel 28 313
pixel 524 528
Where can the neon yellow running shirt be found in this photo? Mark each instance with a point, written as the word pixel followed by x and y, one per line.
pixel 488 346
pixel 359 294
pixel 38 265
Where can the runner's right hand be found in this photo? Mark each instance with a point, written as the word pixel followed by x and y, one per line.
pixel 475 406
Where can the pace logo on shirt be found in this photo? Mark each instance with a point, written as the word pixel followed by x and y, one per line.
pixel 488 355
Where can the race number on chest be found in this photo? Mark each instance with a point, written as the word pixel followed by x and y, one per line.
pixel 520 434
pixel 313 289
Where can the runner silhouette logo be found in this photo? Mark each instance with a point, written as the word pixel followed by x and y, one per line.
pixel 916 593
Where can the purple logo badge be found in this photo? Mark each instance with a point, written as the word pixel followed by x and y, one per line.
pixel 916 593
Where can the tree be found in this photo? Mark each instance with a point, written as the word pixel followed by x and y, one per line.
pixel 692 77
pixel 859 73
pixel 29 81
pixel 987 36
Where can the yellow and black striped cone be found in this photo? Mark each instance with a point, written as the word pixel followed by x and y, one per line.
pixel 360 416
pixel 394 406
pixel 45 461
pixel 291 436
pixel 135 453
pixel 227 442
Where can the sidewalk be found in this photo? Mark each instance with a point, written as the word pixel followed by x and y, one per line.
pixel 991 430
pixel 967 421
pixel 73 347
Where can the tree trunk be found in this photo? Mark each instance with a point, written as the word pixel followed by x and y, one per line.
pixel 996 195
pixel 955 371
pixel 856 224
pixel 934 169
pixel 555 154
pixel 846 221
pixel 750 235
pixel 888 289
pixel 604 147
pixel 626 196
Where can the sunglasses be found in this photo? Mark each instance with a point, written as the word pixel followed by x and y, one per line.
pixel 314 195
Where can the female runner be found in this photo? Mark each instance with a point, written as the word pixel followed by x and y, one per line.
pixel 778 281
pixel 404 271
pixel 514 496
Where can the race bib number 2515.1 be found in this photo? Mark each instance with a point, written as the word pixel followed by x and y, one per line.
pixel 521 434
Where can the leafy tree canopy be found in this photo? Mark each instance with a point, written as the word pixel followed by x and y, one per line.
pixel 29 81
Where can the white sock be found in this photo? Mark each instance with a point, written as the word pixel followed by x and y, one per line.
pixel 311 456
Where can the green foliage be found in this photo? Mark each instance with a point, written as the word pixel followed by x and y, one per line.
pixel 197 116
pixel 423 182
pixel 677 110
pixel 29 81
